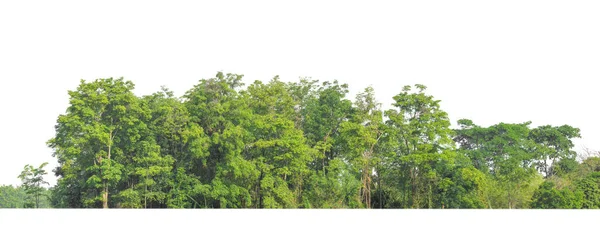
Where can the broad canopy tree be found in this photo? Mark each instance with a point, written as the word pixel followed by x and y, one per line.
pixel 96 137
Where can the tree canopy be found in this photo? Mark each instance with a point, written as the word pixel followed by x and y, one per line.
pixel 302 144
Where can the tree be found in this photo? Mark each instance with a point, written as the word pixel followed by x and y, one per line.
pixel 175 146
pixel 92 139
pixel 361 135
pixel 33 179
pixel 420 142
pixel 507 153
pixel 324 113
pixel 277 149
pixel 554 144
pixel 224 177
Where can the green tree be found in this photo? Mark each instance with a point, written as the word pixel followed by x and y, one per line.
pixel 548 197
pixel 506 152
pixel 554 144
pixel 175 147
pixel 362 134
pixel 278 149
pixel 323 115
pixel 33 179
pixel 94 138
pixel 224 177
pixel 420 141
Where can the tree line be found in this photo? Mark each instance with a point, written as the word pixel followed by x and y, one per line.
pixel 303 144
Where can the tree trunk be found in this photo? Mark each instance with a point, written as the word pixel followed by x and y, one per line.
pixel 412 188
pixel 509 199
pixel 415 188
pixel 366 191
pixel 379 191
pixel 430 194
pixel 324 157
pixel 260 196
pixel 105 196
pixel 105 184
pixel 146 197
pixel 546 168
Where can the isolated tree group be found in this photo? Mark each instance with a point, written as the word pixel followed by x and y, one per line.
pixel 303 145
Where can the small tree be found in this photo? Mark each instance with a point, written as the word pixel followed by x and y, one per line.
pixel 32 179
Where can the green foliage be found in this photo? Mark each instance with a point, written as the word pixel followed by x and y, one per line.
pixel 590 187
pixel 336 188
pixel 361 136
pixel 299 144
pixel 18 197
pixel 565 166
pixel 12 197
pixel 554 145
pixel 32 179
pixel 548 197
pixel 511 153
pixel 420 147
pixel 577 185
pixel 323 115
pixel 465 188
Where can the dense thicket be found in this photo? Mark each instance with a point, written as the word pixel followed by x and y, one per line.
pixel 303 145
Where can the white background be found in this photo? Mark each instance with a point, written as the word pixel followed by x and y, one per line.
pixel 302 223
pixel 489 61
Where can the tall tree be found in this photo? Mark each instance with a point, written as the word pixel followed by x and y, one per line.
pixel 324 114
pixel 180 142
pixel 216 106
pixel 92 138
pixel 278 150
pixel 421 140
pixel 362 134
